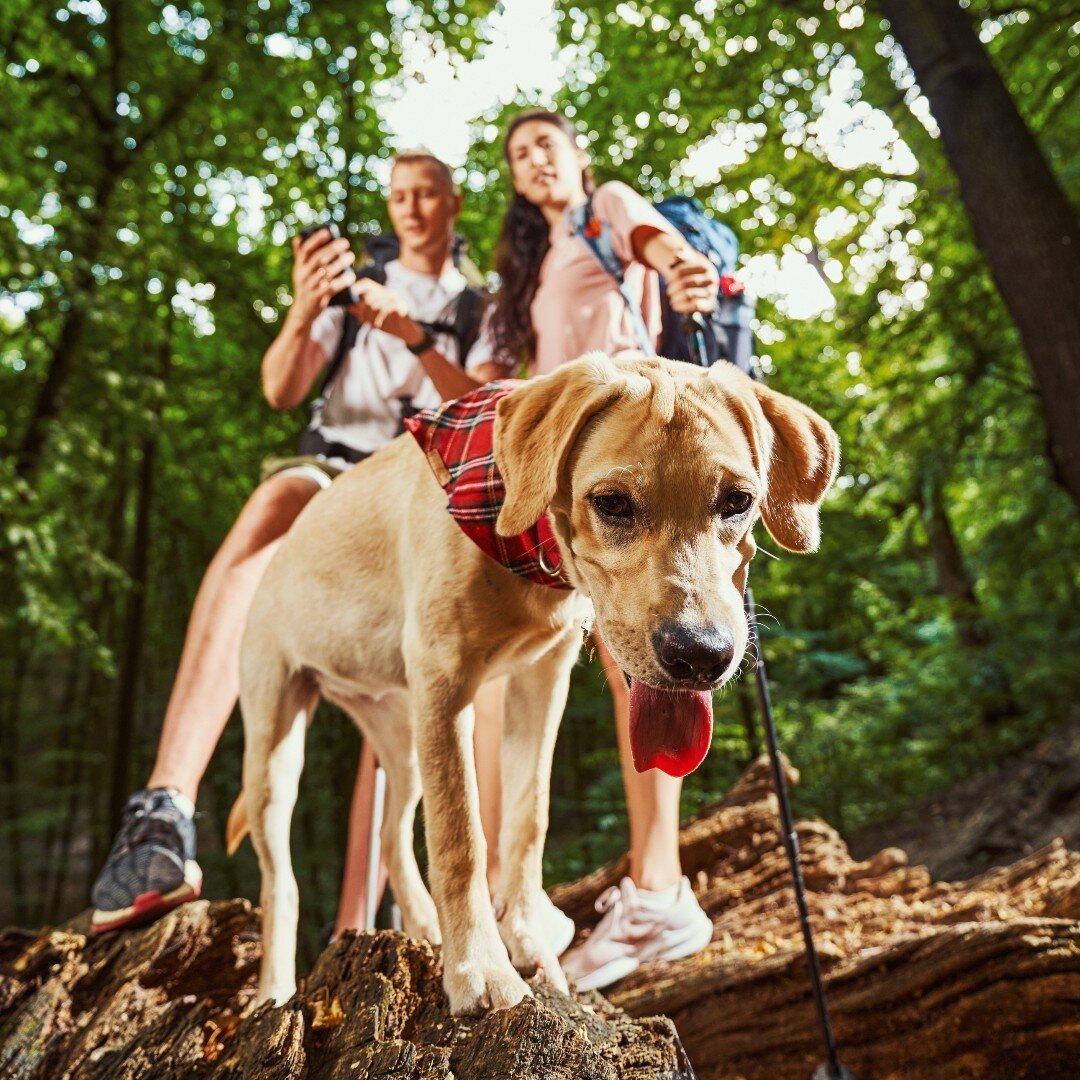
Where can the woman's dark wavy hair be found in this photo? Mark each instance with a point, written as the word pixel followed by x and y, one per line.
pixel 522 245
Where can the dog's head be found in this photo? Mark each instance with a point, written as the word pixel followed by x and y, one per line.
pixel 655 472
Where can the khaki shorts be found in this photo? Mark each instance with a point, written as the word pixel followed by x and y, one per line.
pixel 316 469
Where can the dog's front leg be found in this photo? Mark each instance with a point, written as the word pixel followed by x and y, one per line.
pixel 535 700
pixel 477 973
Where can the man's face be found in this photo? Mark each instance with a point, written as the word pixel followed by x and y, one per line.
pixel 423 207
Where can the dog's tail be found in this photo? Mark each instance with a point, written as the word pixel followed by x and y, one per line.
pixel 237 827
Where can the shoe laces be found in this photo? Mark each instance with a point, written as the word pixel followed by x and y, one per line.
pixel 623 919
pixel 608 899
pixel 147 819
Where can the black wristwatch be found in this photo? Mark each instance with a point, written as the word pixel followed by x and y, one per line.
pixel 423 344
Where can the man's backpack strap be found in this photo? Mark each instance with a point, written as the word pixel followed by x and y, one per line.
pixel 597 237
pixel 381 251
pixel 463 325
pixel 467 320
pixel 349 331
pixel 312 441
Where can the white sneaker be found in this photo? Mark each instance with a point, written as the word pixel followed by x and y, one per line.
pixel 558 927
pixel 634 931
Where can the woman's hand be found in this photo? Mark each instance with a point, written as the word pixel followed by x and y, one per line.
pixel 385 310
pixel 321 268
pixel 692 282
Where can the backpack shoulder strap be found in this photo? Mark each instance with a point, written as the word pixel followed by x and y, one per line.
pixel 597 237
pixel 349 332
pixel 461 319
pixel 467 319
pixel 375 270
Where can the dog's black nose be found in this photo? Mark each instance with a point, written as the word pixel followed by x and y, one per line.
pixel 701 653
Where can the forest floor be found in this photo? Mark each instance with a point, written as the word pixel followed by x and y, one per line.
pixel 992 819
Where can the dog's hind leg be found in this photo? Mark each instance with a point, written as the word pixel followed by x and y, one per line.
pixel 388 725
pixel 535 699
pixel 277 710
pixel 477 973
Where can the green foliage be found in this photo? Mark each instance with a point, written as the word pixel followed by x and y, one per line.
pixel 156 160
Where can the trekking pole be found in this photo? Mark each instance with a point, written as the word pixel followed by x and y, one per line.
pixel 694 328
pixel 831 1069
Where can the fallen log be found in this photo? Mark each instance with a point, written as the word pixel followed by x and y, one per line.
pixel 174 1000
pixel 925 980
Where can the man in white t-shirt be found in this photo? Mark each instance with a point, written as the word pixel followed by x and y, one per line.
pixel 151 866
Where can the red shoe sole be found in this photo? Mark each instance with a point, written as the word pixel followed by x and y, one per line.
pixel 147 907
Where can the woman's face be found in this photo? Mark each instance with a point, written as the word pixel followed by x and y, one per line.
pixel 546 165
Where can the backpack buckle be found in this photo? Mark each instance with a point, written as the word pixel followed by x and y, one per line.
pixel 730 285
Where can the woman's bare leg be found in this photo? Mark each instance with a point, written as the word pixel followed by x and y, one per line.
pixel 353 906
pixel 489 705
pixel 652 798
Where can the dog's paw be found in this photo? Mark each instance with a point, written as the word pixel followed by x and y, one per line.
pixel 277 993
pixel 423 928
pixel 428 932
pixel 418 915
pixel 473 990
pixel 529 950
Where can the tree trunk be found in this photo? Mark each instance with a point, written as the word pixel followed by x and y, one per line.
pixel 748 715
pixel 1021 217
pixel 998 701
pixel 62 360
pixel 9 765
pixel 135 610
pixel 132 636
pixel 953 581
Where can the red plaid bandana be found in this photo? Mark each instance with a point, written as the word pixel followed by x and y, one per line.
pixel 457 438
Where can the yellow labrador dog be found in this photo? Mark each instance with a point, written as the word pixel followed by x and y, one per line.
pixel 652 474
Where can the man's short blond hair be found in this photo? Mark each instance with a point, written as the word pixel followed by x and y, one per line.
pixel 426 157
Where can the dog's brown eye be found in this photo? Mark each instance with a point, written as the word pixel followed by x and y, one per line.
pixel 618 507
pixel 736 503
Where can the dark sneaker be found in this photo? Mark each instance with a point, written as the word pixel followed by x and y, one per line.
pixel 151 867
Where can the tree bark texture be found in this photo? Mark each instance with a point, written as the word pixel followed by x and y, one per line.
pixel 926 981
pixel 1022 220
pixel 174 1000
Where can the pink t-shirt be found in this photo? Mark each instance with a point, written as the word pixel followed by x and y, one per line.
pixel 577 306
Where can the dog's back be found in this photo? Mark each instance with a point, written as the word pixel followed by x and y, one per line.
pixel 332 599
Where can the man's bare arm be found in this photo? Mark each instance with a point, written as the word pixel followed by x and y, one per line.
pixel 291 365
pixel 386 310
pixel 293 361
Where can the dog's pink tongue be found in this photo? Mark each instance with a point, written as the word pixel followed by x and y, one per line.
pixel 669 730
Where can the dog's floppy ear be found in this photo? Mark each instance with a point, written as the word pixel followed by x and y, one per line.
pixel 801 466
pixel 536 426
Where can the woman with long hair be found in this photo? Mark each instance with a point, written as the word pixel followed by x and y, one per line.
pixel 556 302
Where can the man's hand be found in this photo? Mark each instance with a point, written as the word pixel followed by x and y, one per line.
pixel 386 310
pixel 691 282
pixel 321 268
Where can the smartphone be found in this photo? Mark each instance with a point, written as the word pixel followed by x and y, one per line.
pixel 329 226
pixel 346 296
